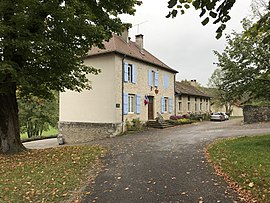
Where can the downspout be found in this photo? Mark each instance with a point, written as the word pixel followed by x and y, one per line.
pixel 174 92
pixel 123 72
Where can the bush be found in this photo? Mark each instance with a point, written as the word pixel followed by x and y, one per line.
pixel 176 117
pixel 180 121
pixel 135 125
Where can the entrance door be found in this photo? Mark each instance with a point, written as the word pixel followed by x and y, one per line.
pixel 151 108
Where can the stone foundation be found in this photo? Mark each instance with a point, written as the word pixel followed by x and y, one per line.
pixel 254 114
pixel 78 132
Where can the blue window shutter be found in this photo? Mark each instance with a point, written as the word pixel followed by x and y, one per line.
pixel 138 104
pixel 166 81
pixel 170 105
pixel 150 80
pixel 162 104
pixel 126 72
pixel 156 79
pixel 125 103
pixel 134 73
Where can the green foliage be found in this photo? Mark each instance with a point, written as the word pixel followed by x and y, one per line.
pixel 246 161
pixel 245 66
pixel 220 95
pixel 50 133
pixel 42 42
pixel 37 114
pixel 216 9
pixel 135 125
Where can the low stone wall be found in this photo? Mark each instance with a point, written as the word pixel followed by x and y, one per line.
pixel 77 132
pixel 254 114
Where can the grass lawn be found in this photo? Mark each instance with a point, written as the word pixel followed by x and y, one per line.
pixel 246 161
pixel 48 175
pixel 51 131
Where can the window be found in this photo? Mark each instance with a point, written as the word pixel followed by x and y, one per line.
pixel 188 106
pixel 166 104
pixel 130 73
pixel 131 103
pixel 152 78
pixel 195 99
pixel 166 81
pixel 196 107
pixel 188 98
pixel 180 97
pixel 200 106
pixel 180 106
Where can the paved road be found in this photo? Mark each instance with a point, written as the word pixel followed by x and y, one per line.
pixel 166 165
pixel 41 144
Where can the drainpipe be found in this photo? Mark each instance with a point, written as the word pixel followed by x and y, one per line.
pixel 123 72
pixel 174 96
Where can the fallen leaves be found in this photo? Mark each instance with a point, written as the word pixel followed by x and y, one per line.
pixel 47 175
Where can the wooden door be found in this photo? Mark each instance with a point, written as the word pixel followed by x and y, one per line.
pixel 151 108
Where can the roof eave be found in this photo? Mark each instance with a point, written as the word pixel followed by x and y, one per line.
pixel 125 54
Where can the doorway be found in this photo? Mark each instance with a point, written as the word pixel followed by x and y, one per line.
pixel 151 108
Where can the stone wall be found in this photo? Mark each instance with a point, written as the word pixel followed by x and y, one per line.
pixel 253 114
pixel 78 132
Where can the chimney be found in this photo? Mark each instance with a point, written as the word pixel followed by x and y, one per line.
pixel 124 35
pixel 139 41
pixel 193 83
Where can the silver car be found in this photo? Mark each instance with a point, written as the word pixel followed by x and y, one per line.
pixel 217 116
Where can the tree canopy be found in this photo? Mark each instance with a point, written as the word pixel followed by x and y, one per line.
pixel 41 48
pixel 42 42
pixel 218 10
pixel 244 65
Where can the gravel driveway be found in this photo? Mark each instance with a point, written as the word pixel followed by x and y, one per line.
pixel 166 165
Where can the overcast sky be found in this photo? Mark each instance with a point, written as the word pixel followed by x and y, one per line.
pixel 183 43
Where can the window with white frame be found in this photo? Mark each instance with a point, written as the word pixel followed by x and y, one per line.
pixel 166 104
pixel 131 103
pixel 130 72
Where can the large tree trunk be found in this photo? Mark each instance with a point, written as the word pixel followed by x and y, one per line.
pixel 10 141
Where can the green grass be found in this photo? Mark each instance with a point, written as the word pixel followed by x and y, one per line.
pixel 51 131
pixel 48 175
pixel 245 160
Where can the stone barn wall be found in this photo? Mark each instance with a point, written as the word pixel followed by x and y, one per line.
pixel 254 114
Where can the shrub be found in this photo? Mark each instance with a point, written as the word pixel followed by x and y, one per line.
pixel 134 125
pixel 176 117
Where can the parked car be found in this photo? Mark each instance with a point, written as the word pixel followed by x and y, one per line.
pixel 217 116
pixel 225 115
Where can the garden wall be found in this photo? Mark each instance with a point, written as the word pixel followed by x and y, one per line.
pixel 254 114
pixel 79 132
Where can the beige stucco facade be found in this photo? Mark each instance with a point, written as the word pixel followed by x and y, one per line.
pixel 103 104
pixel 190 104
pixel 98 104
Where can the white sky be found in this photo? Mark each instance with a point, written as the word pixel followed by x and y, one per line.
pixel 183 43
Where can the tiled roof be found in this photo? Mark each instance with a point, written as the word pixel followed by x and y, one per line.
pixel 188 89
pixel 118 45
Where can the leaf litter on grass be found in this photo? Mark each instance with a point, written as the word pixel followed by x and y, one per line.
pixel 46 175
pixel 244 164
